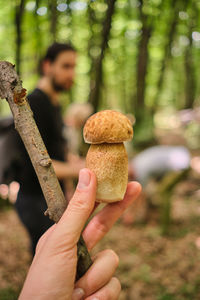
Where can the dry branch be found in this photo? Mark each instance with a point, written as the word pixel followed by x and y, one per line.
pixel 11 89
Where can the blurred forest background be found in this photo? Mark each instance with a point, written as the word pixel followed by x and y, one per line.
pixel 141 57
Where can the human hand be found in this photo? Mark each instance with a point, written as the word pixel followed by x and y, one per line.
pixel 53 270
pixel 71 157
pixel 75 164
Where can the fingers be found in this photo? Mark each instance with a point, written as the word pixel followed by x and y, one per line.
pixel 104 220
pixel 110 291
pixel 74 218
pixel 100 272
pixel 78 294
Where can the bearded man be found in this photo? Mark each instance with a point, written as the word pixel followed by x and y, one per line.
pixel 57 74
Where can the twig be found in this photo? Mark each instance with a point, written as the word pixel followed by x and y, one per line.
pixel 11 89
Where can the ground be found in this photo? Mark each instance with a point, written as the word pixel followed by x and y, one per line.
pixel 152 267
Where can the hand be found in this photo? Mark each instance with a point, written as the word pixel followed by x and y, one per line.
pixel 52 273
pixel 71 157
pixel 68 170
pixel 75 165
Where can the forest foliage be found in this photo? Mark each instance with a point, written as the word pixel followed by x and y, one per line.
pixel 139 56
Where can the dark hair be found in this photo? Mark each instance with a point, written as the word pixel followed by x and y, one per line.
pixel 53 51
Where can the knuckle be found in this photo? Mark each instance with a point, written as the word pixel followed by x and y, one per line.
pixel 101 227
pixel 79 202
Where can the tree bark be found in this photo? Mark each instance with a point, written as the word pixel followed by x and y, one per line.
pixel 69 15
pixel 19 12
pixel 11 89
pixel 190 82
pixel 38 38
pixel 142 62
pixel 53 19
pixel 167 50
pixel 142 66
pixel 190 79
pixel 91 42
pixel 94 96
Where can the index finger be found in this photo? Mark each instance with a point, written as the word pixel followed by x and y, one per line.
pixel 104 220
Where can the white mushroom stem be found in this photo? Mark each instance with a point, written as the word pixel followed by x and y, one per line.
pixel 110 164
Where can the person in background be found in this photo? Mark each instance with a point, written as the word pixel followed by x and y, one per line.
pixel 155 162
pixel 57 75
pixel 52 273
pixel 150 164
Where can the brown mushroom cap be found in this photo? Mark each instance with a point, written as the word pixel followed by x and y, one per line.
pixel 107 126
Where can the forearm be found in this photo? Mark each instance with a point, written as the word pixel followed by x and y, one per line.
pixel 63 170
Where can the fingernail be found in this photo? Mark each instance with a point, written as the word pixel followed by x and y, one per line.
pixel 95 298
pixel 84 179
pixel 78 294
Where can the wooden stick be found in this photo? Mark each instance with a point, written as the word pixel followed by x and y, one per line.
pixel 11 89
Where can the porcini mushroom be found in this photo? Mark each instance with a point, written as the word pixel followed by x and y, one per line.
pixel 107 157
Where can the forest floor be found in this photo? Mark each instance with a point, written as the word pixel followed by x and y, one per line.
pixel 152 267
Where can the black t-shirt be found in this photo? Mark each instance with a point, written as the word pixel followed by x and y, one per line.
pixel 49 121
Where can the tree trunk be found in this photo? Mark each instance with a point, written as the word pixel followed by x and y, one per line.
pixel 143 57
pixel 167 50
pixel 19 12
pixel 38 38
pixel 94 96
pixel 142 61
pixel 53 18
pixel 91 42
pixel 190 82
pixel 69 15
pixel 190 79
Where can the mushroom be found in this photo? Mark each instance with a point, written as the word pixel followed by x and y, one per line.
pixel 107 157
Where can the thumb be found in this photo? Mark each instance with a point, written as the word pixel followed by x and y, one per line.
pixel 80 207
